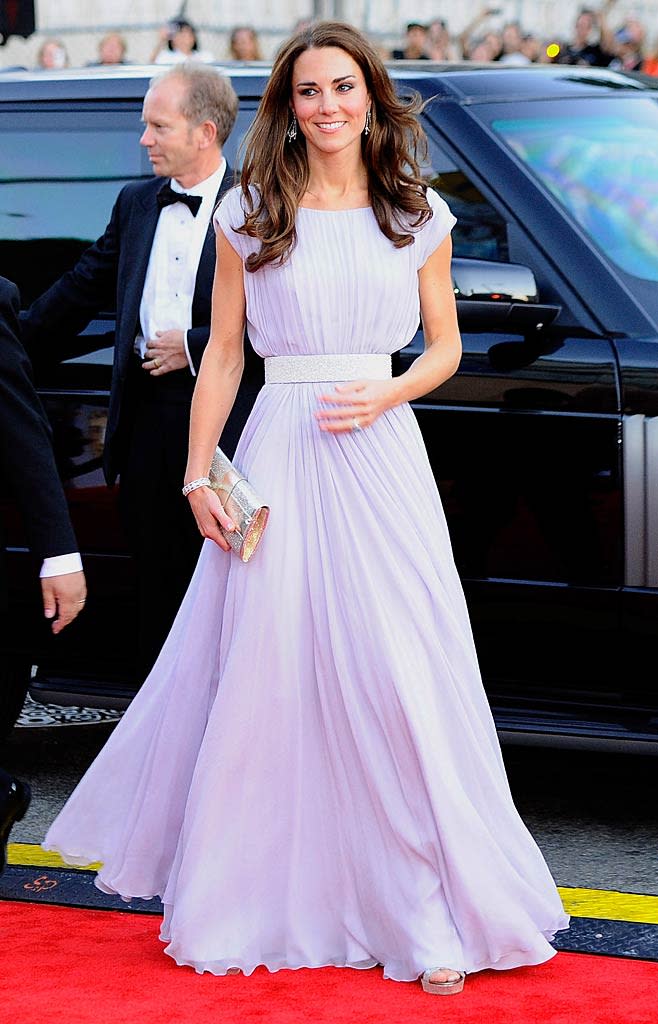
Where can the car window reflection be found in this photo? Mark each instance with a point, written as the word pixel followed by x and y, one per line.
pixel 601 167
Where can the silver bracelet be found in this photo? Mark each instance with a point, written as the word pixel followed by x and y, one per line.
pixel 193 485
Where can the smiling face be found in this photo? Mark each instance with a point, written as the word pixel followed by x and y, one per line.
pixel 330 99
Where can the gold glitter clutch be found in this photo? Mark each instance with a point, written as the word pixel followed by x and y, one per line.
pixel 241 503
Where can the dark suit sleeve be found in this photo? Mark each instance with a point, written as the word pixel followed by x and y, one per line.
pixel 80 294
pixel 197 339
pixel 26 455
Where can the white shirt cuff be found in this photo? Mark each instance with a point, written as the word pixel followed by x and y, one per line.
pixel 187 353
pixel 61 565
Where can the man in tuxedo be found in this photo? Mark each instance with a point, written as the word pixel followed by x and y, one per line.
pixel 156 261
pixel 28 466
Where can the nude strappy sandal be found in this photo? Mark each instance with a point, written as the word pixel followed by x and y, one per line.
pixel 443 988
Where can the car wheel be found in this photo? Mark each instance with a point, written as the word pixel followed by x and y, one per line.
pixel 14 682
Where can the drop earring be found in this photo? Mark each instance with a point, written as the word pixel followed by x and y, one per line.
pixel 292 129
pixel 368 124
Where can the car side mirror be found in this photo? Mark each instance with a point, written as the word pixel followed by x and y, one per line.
pixel 499 297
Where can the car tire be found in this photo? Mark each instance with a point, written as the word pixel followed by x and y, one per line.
pixel 14 683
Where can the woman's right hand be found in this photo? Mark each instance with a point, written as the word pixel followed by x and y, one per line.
pixel 210 515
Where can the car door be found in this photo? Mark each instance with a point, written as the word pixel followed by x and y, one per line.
pixel 524 444
pixel 62 166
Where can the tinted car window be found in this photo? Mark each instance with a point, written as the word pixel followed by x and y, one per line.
pixel 74 151
pixel 601 165
pixel 60 174
pixel 480 231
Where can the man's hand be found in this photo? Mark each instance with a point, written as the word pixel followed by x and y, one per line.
pixel 165 352
pixel 63 598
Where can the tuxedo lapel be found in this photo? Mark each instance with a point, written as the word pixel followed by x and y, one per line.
pixel 206 271
pixel 140 231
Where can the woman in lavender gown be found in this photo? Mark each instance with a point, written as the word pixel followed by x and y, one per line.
pixel 310 775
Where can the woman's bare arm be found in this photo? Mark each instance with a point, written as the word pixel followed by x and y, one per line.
pixel 216 386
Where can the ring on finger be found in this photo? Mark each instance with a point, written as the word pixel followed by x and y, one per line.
pixel 356 425
pixel 156 362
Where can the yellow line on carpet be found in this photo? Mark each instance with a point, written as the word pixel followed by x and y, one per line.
pixel 31 855
pixel 596 903
pixel 610 906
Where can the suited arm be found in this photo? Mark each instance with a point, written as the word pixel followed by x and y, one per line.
pixel 197 339
pixel 26 455
pixel 79 295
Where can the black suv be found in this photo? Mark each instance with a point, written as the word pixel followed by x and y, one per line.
pixel 544 444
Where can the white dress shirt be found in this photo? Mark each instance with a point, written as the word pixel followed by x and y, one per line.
pixel 168 292
pixel 171 275
pixel 61 565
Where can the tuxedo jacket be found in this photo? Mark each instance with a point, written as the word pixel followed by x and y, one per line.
pixel 27 464
pixel 111 274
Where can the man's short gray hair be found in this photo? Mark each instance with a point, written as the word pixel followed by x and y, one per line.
pixel 210 96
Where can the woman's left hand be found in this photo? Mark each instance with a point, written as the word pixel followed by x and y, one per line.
pixel 356 405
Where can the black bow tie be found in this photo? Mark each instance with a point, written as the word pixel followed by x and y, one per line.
pixel 167 196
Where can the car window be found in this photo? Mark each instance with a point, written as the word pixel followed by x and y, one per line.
pixel 73 153
pixel 480 231
pixel 600 164
pixel 60 174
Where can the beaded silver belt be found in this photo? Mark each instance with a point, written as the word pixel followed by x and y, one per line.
pixel 315 369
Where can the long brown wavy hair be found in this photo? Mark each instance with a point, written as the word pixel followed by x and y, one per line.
pixel 279 169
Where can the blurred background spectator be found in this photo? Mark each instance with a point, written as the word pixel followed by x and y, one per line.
pixel 244 44
pixel 532 48
pixel 512 48
pixel 438 43
pixel 178 42
pixel 111 50
pixel 484 47
pixel 572 34
pixel 414 43
pixel 301 25
pixel 628 50
pixel 52 55
pixel 650 66
pixel 593 43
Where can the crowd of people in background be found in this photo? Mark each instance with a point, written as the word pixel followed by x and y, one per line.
pixel 593 42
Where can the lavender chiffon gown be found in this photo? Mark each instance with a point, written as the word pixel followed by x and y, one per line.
pixel 310 775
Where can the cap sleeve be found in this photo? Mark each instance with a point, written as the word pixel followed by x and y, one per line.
pixel 229 216
pixel 436 229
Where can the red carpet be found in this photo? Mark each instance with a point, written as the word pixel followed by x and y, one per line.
pixel 69 966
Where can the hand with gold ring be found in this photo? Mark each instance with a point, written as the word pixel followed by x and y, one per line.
pixel 63 598
pixel 165 352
